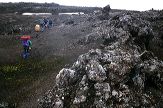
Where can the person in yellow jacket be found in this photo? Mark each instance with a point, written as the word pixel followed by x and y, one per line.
pixel 37 29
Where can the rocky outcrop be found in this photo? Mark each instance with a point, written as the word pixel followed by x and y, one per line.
pixel 105 12
pixel 123 73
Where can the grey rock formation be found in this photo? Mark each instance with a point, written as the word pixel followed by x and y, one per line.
pixel 105 12
pixel 120 75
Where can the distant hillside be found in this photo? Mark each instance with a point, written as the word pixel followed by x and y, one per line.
pixel 41 7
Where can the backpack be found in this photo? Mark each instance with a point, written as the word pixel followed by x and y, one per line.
pixel 29 43
pixel 37 28
pixel 24 42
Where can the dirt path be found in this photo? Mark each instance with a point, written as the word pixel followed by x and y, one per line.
pixel 57 41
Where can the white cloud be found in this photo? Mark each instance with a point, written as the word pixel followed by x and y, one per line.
pixel 115 4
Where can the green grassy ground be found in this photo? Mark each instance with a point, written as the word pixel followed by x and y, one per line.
pixel 20 75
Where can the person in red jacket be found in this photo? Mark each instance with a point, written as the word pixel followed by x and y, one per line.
pixel 26 42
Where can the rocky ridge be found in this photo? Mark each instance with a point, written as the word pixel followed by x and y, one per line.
pixel 122 73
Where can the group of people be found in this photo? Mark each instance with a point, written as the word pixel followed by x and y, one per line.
pixel 43 23
pixel 26 42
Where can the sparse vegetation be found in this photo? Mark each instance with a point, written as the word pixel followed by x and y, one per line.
pixel 18 76
pixel 15 77
pixel 22 79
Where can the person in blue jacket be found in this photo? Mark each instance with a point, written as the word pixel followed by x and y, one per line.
pixel 50 25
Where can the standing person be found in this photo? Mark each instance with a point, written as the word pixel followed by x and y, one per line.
pixel 46 22
pixel 42 25
pixel 50 24
pixel 37 29
pixel 26 42
pixel 40 22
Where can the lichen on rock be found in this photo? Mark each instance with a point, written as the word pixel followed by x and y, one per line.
pixel 122 74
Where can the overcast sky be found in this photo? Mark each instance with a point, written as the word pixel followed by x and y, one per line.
pixel 115 4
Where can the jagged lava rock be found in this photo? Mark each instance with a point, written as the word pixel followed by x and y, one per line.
pixel 120 75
